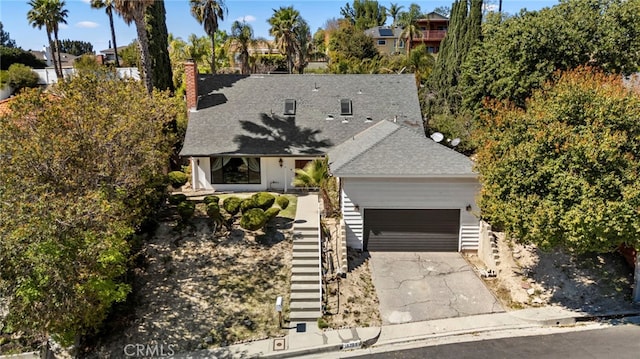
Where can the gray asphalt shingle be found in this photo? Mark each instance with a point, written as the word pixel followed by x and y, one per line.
pixel 234 115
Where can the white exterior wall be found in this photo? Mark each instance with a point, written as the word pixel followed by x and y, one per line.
pixel 404 193
pixel 273 177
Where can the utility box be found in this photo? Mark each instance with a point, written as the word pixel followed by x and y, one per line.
pixel 279 304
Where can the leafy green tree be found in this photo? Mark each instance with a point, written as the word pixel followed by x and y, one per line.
pixel 109 7
pixel 86 63
pixel 305 46
pixel 75 47
pixel 364 14
pixel 209 13
pixel 5 38
pixel 347 42
pixel 242 34
pixel 563 171
pixel 409 22
pixel 284 25
pixel 130 55
pixel 16 55
pixel 556 38
pixel 49 13
pixel 85 169
pixel 20 76
pixel 134 11
pixel 155 19
pixel 316 175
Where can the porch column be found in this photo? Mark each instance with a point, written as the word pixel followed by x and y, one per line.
pixel 194 173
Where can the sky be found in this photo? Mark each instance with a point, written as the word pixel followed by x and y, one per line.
pixel 91 25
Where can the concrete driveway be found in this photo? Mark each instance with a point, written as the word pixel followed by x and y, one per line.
pixel 420 286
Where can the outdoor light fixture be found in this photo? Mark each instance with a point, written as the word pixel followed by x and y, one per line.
pixel 357 207
pixel 468 208
pixel 280 162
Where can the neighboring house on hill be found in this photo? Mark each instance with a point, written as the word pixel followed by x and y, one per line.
pixel 434 27
pixel 387 39
pixel 45 55
pixel 250 133
pixel 109 55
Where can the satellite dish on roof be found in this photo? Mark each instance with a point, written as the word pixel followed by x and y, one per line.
pixel 437 136
pixel 455 142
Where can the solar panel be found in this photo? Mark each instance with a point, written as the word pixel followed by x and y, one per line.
pixel 289 107
pixel 386 32
pixel 345 107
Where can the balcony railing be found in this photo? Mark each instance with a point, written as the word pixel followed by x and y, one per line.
pixel 431 35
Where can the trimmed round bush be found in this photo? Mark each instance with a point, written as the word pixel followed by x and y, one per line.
pixel 272 213
pixel 213 210
pixel 177 198
pixel 253 219
pixel 247 204
pixel 186 210
pixel 177 179
pixel 283 202
pixel 232 205
pixel 264 200
pixel 211 199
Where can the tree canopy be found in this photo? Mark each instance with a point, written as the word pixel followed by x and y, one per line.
pixel 81 167
pixel 75 47
pixel 564 171
pixel 5 38
pixel 364 14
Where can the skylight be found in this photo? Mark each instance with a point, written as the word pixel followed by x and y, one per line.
pixel 345 107
pixel 289 107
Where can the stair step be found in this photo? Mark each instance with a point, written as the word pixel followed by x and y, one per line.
pixel 305 296
pixel 306 255
pixel 304 316
pixel 305 278
pixel 312 247
pixel 306 262
pixel 305 270
pixel 306 306
pixel 309 238
pixel 295 287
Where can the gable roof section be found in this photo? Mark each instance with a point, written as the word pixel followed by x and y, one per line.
pixel 390 150
pixel 244 115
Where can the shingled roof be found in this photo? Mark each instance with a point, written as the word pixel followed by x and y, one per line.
pixel 244 115
pixel 389 150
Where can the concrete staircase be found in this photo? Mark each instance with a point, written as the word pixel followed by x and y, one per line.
pixel 469 237
pixel 306 280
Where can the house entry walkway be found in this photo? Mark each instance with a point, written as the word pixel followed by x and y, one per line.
pixel 306 277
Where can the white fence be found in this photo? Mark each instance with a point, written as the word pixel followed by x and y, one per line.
pixel 48 76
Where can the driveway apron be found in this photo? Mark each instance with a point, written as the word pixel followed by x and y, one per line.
pixel 419 286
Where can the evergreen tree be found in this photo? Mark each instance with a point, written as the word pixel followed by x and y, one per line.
pixel 161 73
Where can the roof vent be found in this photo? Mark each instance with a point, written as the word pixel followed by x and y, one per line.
pixel 345 107
pixel 315 87
pixel 289 107
pixel 329 117
pixel 344 120
pixel 368 120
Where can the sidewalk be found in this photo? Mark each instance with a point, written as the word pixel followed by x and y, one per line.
pixel 299 344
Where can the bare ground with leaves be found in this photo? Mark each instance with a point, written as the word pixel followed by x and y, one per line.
pixel 590 283
pixel 194 289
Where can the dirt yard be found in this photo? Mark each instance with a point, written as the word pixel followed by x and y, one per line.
pixel 351 301
pixel 194 289
pixel 527 277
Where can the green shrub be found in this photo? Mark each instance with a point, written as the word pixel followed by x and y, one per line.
pixel 211 199
pixel 177 198
pixel 272 213
pixel 232 205
pixel 264 200
pixel 177 179
pixel 213 210
pixel 247 204
pixel 20 76
pixel 253 219
pixel 322 324
pixel 283 202
pixel 186 210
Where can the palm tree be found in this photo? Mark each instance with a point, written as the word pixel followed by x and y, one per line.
pixel 49 13
pixel 208 13
pixel 284 23
pixel 133 11
pixel 408 20
pixel 394 11
pixel 316 174
pixel 242 33
pixel 108 8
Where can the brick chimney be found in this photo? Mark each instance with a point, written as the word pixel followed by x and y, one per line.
pixel 191 78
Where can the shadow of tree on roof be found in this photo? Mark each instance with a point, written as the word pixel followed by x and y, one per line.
pixel 280 136
pixel 210 83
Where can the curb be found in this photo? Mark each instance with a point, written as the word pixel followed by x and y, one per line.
pixel 365 343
